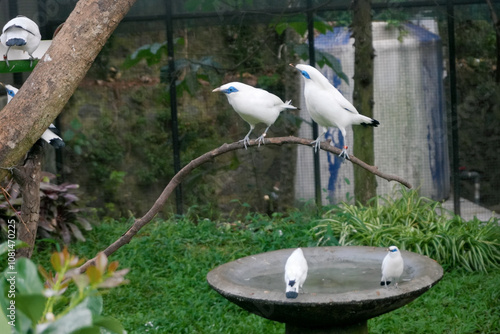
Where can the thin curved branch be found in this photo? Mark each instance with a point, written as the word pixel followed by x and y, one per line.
pixel 225 148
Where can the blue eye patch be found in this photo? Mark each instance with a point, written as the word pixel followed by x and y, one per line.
pixel 230 90
pixel 305 74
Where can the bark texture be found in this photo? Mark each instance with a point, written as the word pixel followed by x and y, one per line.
pixel 57 75
pixel 365 185
pixel 28 177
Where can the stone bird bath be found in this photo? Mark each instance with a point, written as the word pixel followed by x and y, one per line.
pixel 341 293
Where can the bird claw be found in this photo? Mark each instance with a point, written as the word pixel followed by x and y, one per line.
pixel 261 140
pixel 316 144
pixel 246 141
pixel 344 154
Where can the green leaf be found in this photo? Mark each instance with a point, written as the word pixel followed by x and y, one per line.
pixel 321 25
pixel 324 58
pixel 299 26
pixel 7 245
pixel 92 303
pixel 109 323
pixel 280 27
pixel 27 279
pixel 88 330
pixel 4 323
pixel 31 305
pixel 76 124
pixel 55 261
pixel 152 53
pixel 69 135
pixel 78 149
pixel 76 319
pixel 302 50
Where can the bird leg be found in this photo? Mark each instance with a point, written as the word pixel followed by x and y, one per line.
pixel 261 139
pixel 6 58
pixel 344 154
pixel 246 140
pixel 317 142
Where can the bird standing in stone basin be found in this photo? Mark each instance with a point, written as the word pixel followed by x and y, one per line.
pixel 21 33
pixel 254 105
pixel 328 107
pixel 392 267
pixel 295 273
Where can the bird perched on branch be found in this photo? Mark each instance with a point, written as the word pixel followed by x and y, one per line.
pixel 392 267
pixel 254 105
pixel 295 273
pixel 49 136
pixel 21 33
pixel 328 107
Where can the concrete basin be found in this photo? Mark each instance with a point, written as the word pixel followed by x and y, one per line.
pixel 341 293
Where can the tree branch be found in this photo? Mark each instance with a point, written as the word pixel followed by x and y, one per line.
pixel 225 148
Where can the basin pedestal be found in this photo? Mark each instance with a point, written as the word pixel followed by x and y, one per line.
pixel 359 328
pixel 341 293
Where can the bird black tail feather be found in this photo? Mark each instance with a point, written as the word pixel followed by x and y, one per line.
pixel 383 282
pixel 373 123
pixel 57 143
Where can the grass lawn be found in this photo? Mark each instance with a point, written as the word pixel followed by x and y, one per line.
pixel 168 292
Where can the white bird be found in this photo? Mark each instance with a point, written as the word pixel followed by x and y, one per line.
pixel 21 33
pixel 254 105
pixel 49 136
pixel 295 273
pixel 328 107
pixel 392 267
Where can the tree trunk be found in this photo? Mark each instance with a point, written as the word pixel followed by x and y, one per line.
pixel 57 75
pixel 365 184
pixel 496 25
pixel 28 178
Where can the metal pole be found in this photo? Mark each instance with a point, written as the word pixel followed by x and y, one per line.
pixel 453 102
pixel 173 103
pixel 312 62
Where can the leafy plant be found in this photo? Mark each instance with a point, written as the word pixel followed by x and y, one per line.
pixel 190 72
pixel 59 214
pixel 29 306
pixel 416 224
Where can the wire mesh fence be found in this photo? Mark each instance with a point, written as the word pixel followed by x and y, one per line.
pixel 118 124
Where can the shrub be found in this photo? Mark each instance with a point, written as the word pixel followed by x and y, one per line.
pixel 60 216
pixel 30 307
pixel 416 224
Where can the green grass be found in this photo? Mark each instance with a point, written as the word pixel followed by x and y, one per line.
pixel 168 292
